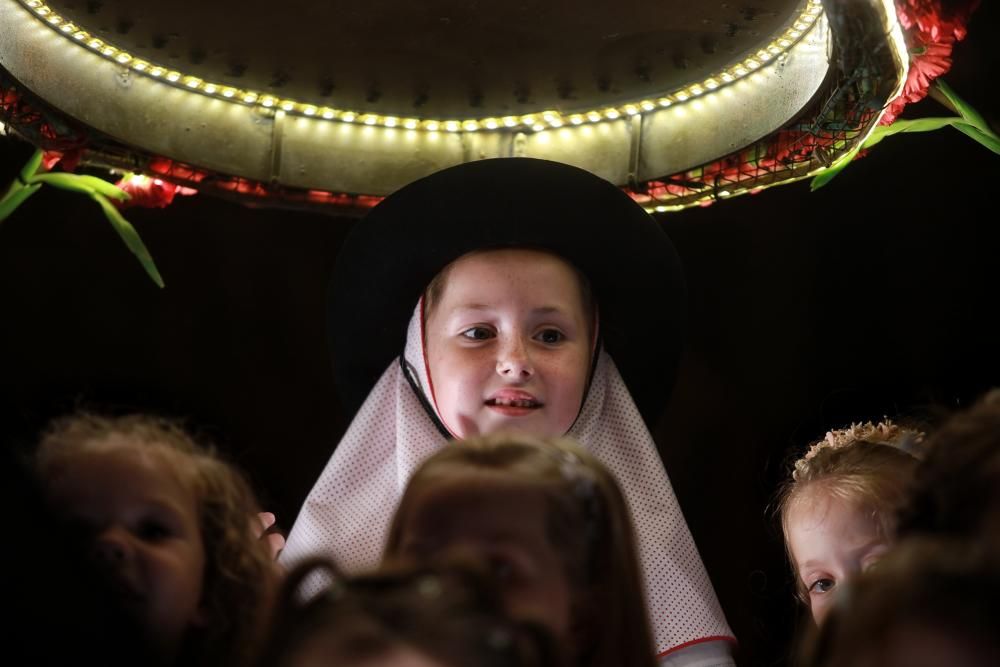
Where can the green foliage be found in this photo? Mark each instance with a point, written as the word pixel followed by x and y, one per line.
pixel 29 181
pixel 968 121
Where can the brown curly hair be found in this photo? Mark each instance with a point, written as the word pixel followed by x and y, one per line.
pixel 239 574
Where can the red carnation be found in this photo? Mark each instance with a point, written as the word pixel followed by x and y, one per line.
pixel 69 160
pixel 931 30
pixel 937 21
pixel 8 98
pixel 928 61
pixel 150 192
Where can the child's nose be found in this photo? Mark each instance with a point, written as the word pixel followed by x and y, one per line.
pixel 514 363
pixel 112 547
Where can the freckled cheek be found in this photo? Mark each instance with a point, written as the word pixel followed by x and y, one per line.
pixel 569 376
pixel 473 366
pixel 461 377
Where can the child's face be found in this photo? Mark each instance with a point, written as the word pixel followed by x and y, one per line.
pixel 830 540
pixel 500 523
pixel 508 344
pixel 143 521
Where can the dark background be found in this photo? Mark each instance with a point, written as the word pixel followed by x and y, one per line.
pixel 873 296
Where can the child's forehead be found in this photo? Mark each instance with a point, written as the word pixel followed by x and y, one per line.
pixel 820 503
pixel 521 274
pixel 500 259
pixel 130 450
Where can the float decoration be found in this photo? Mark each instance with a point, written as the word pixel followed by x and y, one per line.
pixel 686 104
pixel 694 103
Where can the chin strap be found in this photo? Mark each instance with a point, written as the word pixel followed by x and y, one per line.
pixel 410 373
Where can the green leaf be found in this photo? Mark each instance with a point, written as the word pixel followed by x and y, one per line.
pixel 63 181
pixel 877 135
pixel 830 172
pixel 916 125
pixel 15 198
pixel 825 177
pixel 82 183
pixel 105 188
pixel 965 109
pixel 130 237
pixel 925 124
pixel 14 186
pixel 992 142
pixel 32 165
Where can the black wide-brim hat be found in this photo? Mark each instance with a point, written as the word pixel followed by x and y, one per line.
pixel 391 255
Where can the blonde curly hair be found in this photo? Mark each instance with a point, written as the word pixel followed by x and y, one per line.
pixel 883 433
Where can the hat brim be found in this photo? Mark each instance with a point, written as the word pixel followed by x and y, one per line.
pixel 390 257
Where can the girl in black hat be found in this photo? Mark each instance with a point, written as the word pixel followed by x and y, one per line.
pixel 567 301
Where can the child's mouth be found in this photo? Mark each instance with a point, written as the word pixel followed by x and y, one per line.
pixel 125 593
pixel 513 404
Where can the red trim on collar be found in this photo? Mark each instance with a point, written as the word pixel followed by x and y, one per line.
pixel 703 640
pixel 427 368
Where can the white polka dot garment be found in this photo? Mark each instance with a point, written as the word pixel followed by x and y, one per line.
pixel 348 511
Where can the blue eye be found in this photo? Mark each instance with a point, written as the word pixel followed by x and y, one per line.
pixel 477 333
pixel 551 336
pixel 822 586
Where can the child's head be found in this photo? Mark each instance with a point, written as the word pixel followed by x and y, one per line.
pixel 509 342
pixel 480 206
pixel 63 613
pixel 414 617
pixel 169 522
pixel 838 510
pixel 550 523
pixel 956 492
pixel 928 603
